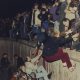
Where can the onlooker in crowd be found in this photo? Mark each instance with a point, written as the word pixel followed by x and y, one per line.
pixel 31 66
pixel 70 11
pixel 18 60
pixel 43 16
pixel 61 8
pixel 5 64
pixel 5 61
pixel 53 11
pixel 35 20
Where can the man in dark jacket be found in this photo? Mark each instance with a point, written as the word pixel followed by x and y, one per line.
pixel 52 50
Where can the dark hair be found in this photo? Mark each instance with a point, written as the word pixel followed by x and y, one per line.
pixel 4 54
pixel 36 4
pixel 16 55
pixel 72 4
pixel 71 22
pixel 26 59
pixel 43 9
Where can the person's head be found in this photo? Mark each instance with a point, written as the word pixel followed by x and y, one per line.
pixel 28 59
pixel 57 2
pixel 44 6
pixel 76 2
pixel 36 6
pixel 57 34
pixel 73 6
pixel 5 55
pixel 66 22
pixel 16 56
pixel 43 10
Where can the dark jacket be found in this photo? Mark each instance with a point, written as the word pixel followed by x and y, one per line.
pixel 43 17
pixel 51 45
pixel 5 62
pixel 20 62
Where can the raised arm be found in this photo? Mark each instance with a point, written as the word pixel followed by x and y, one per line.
pixel 35 59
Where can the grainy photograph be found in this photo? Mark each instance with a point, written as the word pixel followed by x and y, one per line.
pixel 39 39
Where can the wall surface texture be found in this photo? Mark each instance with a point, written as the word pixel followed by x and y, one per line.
pixel 23 48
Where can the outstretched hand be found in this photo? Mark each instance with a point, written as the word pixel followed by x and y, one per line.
pixel 68 32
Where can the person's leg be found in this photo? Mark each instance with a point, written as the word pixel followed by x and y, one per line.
pixel 60 55
pixel 65 59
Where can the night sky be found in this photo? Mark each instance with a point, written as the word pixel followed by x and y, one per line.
pixel 9 8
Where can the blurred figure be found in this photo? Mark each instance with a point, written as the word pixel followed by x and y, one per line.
pixel 43 16
pixel 53 11
pixel 60 11
pixel 70 11
pixel 13 29
pixel 35 12
pixel 5 61
pixel 5 64
pixel 18 61
pixel 31 67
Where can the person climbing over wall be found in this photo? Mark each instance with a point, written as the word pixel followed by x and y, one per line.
pixel 53 47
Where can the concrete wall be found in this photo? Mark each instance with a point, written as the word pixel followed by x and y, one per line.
pixel 59 72
pixel 62 73
pixel 14 47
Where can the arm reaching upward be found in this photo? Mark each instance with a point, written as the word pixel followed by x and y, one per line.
pixel 35 59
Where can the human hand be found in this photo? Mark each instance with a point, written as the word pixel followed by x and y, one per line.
pixel 68 32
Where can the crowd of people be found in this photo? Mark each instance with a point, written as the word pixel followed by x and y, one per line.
pixel 60 16
pixel 55 26
pixel 23 69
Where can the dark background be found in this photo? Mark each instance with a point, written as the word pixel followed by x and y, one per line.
pixel 9 8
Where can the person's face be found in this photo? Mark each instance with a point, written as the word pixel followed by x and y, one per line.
pixel 66 23
pixel 75 8
pixel 43 12
pixel 36 7
pixel 28 59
